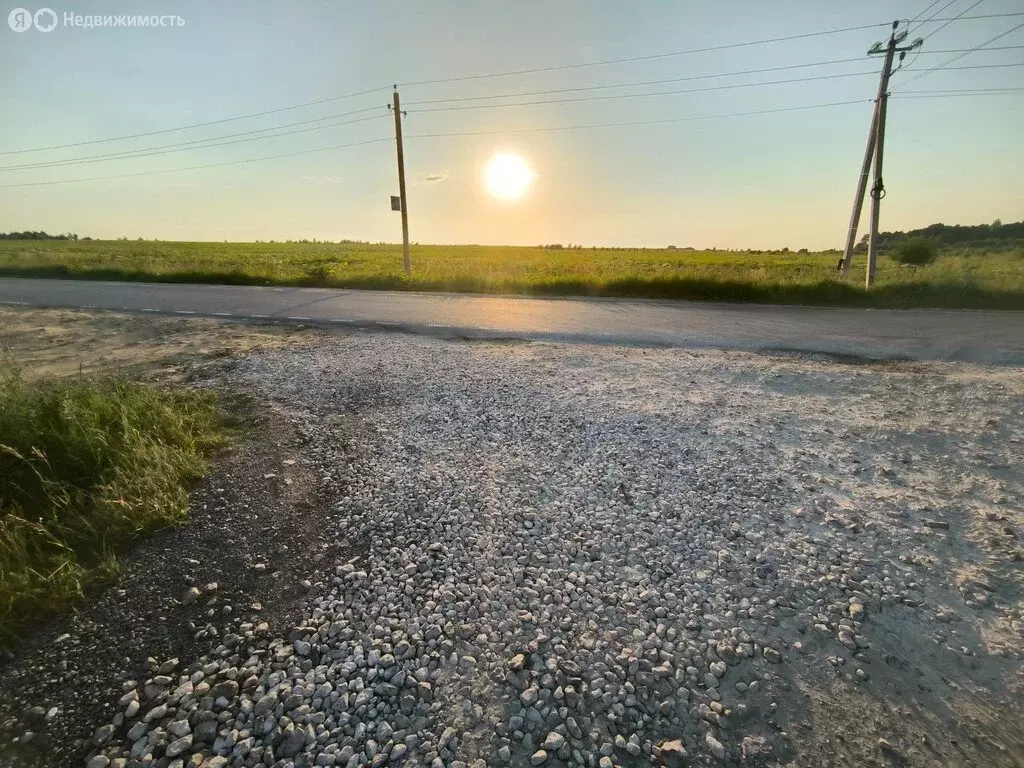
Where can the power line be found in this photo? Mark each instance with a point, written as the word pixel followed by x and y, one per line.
pixel 217 141
pixel 941 95
pixel 707 49
pixel 195 125
pixel 688 118
pixel 634 84
pixel 640 95
pixel 930 18
pixel 440 135
pixel 213 141
pixel 961 55
pixel 198 167
pixel 490 97
pixel 955 18
pixel 922 13
pixel 366 91
pixel 648 57
pixel 986 66
pixel 975 17
pixel 959 91
pixel 971 50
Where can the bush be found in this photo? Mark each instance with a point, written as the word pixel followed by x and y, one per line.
pixel 917 251
pixel 85 467
pixel 319 274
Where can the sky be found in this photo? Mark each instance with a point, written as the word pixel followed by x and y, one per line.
pixel 703 177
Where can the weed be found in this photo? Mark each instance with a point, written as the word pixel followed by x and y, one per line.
pixel 86 466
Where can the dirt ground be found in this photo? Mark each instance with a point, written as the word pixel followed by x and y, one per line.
pixel 62 342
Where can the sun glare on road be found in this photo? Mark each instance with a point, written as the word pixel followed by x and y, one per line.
pixel 507 176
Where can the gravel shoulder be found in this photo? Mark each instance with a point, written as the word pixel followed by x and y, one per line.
pixel 573 555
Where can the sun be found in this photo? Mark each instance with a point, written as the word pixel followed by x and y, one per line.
pixel 507 176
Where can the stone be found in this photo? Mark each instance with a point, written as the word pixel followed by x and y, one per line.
pixel 293 742
pixel 205 732
pixel 178 746
pixel 225 689
pixel 553 742
pixel 672 753
pixel 715 746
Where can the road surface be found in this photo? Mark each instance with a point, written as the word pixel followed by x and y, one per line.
pixel 915 334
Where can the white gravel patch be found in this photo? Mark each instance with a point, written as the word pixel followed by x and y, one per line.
pixel 601 556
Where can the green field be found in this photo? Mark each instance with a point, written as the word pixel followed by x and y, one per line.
pixel 965 278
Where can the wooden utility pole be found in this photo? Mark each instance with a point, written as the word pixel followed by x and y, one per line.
pixel 873 151
pixel 401 185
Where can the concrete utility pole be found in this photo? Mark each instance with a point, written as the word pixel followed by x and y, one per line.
pixel 877 187
pixel 873 151
pixel 401 185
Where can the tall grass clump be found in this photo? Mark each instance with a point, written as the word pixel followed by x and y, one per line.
pixel 86 466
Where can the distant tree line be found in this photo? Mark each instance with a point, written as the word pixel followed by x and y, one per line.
pixel 994 236
pixel 37 236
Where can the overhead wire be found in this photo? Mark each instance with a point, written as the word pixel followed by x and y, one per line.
pixel 971 50
pixel 922 13
pixel 930 18
pixel 245 136
pixel 438 135
pixel 686 118
pixel 190 126
pixel 635 84
pixel 960 91
pixel 215 141
pixel 959 56
pixel 641 95
pixel 489 97
pixel 917 47
pixel 955 18
pixel 218 140
pixel 653 56
pixel 976 16
pixel 366 91
pixel 198 167
pixel 647 57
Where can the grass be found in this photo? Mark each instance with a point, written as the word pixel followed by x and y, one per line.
pixel 955 279
pixel 86 467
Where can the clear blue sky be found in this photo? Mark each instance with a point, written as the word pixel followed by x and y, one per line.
pixel 767 180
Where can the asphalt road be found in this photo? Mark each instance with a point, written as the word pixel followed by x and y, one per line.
pixel 916 334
